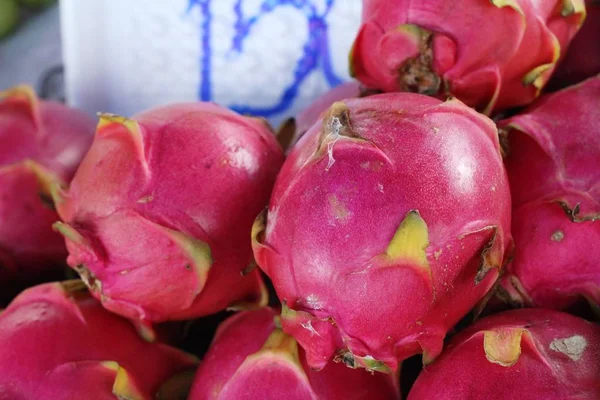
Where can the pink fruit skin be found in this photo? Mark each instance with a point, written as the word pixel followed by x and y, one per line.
pixel 312 113
pixel 387 223
pixel 556 358
pixel 442 48
pixel 59 343
pixel 158 216
pixel 582 60
pixel 241 364
pixel 36 138
pixel 554 168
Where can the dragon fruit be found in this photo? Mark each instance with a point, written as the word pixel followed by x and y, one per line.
pixel 492 55
pixel 40 142
pixel 252 358
pixel 312 114
pixel 59 343
pixel 533 354
pixel 582 60
pixel 553 165
pixel 158 216
pixel 387 223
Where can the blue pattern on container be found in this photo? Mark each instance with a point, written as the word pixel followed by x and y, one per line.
pixel 316 51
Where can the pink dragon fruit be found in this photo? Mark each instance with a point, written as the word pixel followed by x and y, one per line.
pixel 307 118
pixel 59 343
pixel 553 166
pixel 252 358
pixel 582 60
pixel 492 55
pixel 387 223
pixel 39 141
pixel 158 216
pixel 533 354
pixel 294 128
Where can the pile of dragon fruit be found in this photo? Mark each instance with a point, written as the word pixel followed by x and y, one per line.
pixel 429 231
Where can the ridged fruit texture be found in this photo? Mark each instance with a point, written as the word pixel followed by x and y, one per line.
pixel 251 358
pixel 528 354
pixel 387 223
pixel 492 55
pixel 59 343
pixel 553 165
pixel 158 216
pixel 40 142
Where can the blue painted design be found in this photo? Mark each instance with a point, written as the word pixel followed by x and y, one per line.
pixel 316 52
pixel 205 90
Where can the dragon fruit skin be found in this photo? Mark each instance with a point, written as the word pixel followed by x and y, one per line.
pixel 442 48
pixel 40 142
pixel 250 358
pixel 77 350
pixel 387 223
pixel 157 217
pixel 553 165
pixel 531 353
pixel 582 60
pixel 307 118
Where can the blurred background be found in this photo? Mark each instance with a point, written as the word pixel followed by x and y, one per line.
pixel 262 57
pixel 30 49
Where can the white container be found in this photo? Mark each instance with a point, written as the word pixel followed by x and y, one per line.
pixel 262 57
